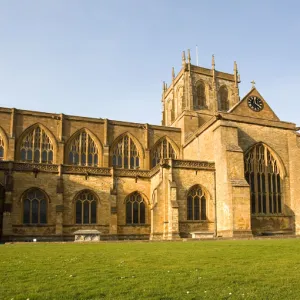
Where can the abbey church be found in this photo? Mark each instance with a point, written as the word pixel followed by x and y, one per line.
pixel 217 166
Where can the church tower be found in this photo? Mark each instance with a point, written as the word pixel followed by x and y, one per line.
pixel 196 94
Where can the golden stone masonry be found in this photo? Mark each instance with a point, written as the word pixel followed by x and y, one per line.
pixel 217 166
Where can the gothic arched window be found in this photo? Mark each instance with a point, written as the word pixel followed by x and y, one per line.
pixel 86 208
pixel 223 99
pixel 200 99
pixel 36 147
pixel 135 209
pixel 125 154
pixel 1 148
pixel 35 207
pixel 265 179
pixel 83 150
pixel 196 204
pixel 162 149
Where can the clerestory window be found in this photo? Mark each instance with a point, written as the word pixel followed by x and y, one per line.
pixel 36 147
pixel 125 154
pixel 83 151
pixel 163 149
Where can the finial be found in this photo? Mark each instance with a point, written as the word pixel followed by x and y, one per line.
pixel 213 62
pixel 253 84
pixel 189 56
pixel 239 78
pixel 164 86
pixel 235 66
pixel 173 73
pixel 183 58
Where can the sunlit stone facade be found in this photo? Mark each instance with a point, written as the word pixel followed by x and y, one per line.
pixel 217 166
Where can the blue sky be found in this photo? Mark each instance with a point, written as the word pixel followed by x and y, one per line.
pixel 108 58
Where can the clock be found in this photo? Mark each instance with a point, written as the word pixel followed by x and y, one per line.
pixel 255 103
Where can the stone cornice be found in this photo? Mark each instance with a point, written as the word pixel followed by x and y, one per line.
pixel 94 171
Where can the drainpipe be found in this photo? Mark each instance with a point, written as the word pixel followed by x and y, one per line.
pixel 215 189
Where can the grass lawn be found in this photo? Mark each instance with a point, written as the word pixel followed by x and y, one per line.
pixel 254 269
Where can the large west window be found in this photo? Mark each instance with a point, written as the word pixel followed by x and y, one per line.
pixel 34 207
pixel 135 209
pixel 86 208
pixel 196 204
pixel 265 179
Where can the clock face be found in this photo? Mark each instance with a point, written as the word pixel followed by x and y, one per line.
pixel 255 103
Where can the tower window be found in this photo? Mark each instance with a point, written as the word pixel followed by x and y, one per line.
pixel 200 99
pixel 223 99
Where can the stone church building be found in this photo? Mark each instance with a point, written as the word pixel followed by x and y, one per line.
pixel 217 166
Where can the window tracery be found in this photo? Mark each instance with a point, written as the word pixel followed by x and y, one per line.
pixel 135 209
pixel 126 154
pixel 1 148
pixel 83 151
pixel 263 175
pixel 162 150
pixel 196 204
pixel 37 147
pixel 86 208
pixel 34 207
pixel 200 99
pixel 223 99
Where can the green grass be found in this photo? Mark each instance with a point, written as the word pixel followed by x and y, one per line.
pixel 254 269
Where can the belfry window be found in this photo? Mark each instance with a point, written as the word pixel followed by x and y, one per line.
pixel 223 99
pixel 196 204
pixel 37 147
pixel 265 179
pixel 86 208
pixel 200 99
pixel 162 150
pixel 83 150
pixel 34 207
pixel 125 154
pixel 135 209
pixel 1 148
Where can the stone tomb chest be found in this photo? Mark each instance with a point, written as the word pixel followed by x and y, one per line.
pixel 87 235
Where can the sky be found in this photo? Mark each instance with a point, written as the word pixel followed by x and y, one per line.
pixel 108 59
